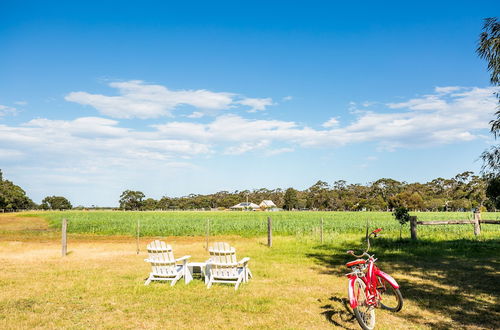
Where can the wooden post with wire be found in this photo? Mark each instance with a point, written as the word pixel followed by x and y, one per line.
pixel 321 231
pixel 64 238
pixel 367 225
pixel 269 232
pixel 477 223
pixel 138 234
pixel 413 227
pixel 207 234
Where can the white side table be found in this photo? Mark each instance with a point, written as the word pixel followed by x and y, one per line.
pixel 203 269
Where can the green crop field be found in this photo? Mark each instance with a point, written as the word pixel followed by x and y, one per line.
pixel 252 224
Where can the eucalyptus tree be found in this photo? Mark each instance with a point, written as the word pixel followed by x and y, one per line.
pixel 13 197
pixel 489 50
pixel 291 200
pixel 131 200
pixel 56 203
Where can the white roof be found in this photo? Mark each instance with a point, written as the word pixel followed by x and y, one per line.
pixel 245 205
pixel 267 203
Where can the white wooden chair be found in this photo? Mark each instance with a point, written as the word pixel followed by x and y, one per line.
pixel 164 266
pixel 222 266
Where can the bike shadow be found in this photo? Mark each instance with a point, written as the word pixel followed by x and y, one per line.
pixel 457 279
pixel 339 314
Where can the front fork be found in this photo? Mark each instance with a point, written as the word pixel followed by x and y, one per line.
pixel 371 282
pixel 353 302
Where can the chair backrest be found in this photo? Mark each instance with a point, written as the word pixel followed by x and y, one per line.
pixel 161 258
pixel 223 260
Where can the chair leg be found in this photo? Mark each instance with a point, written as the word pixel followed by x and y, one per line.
pixel 209 284
pixel 150 278
pixel 188 277
pixel 238 282
pixel 178 277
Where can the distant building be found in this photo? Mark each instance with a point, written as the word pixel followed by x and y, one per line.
pixel 267 204
pixel 245 206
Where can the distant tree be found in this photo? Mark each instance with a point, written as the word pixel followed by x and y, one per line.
pixel 402 216
pixel 386 188
pixel 131 200
pixel 318 195
pixel 13 197
pixel 476 191
pixel 291 200
pixel 150 204
pixel 163 203
pixel 55 203
pixel 407 199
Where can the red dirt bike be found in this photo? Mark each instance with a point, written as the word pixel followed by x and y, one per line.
pixel 370 288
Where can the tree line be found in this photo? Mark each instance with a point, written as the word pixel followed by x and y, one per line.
pixel 465 191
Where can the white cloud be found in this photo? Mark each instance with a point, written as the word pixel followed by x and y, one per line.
pixel 9 154
pixel 256 104
pixel 21 102
pixel 332 122
pixel 87 126
pixel 140 100
pixel 451 115
pixel 446 90
pixel 246 147
pixel 278 151
pixel 5 110
pixel 196 114
pixel 428 102
pixel 448 117
pixel 94 141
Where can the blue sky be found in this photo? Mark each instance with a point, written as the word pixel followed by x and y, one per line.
pixel 173 98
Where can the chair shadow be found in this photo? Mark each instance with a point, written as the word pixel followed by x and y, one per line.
pixel 455 278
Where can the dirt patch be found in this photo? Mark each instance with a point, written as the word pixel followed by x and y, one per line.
pixel 11 222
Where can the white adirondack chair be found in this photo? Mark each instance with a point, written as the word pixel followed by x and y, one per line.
pixel 164 266
pixel 222 266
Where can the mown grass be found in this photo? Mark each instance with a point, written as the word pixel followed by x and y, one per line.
pixel 448 280
pixel 254 224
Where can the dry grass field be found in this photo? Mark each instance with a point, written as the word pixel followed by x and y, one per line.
pixel 297 284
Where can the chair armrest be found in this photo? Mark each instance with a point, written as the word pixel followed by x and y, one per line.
pixel 244 261
pixel 183 258
pixel 223 264
pixel 159 262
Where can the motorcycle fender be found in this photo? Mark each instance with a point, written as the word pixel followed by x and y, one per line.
pixel 352 299
pixel 389 279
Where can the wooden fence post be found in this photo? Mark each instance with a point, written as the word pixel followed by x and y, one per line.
pixel 477 223
pixel 207 233
pixel 321 231
pixel 138 234
pixel 269 232
pixel 413 227
pixel 64 237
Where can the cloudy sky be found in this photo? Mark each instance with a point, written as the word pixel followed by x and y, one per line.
pixel 198 97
